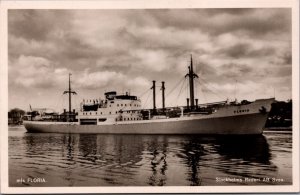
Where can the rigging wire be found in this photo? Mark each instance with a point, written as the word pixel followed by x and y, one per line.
pixel 210 86
pixel 176 85
pixel 146 101
pixel 206 87
pixel 144 93
pixel 183 84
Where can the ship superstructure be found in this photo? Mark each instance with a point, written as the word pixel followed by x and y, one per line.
pixel 111 109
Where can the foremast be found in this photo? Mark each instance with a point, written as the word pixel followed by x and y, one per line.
pixel 191 76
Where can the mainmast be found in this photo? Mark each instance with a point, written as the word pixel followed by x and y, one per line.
pixel 70 92
pixel 191 76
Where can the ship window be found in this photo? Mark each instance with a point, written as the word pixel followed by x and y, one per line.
pixel 247 110
pixel 130 104
pixel 101 112
pixel 109 112
pixel 96 113
pixel 121 104
pixel 109 105
pixel 90 113
pixel 125 104
pixel 116 112
pixel 234 111
pixel 117 105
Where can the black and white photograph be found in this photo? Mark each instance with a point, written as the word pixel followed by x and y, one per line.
pixel 188 98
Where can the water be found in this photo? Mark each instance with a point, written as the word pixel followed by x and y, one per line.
pixel 148 160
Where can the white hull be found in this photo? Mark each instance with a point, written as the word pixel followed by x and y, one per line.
pixel 225 121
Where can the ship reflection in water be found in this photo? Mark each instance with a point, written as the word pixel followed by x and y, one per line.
pixel 147 160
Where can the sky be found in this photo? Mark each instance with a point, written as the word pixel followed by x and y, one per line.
pixel 237 53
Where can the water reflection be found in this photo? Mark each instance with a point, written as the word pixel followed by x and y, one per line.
pixel 130 160
pixel 251 149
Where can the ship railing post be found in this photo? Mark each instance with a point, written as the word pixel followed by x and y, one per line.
pixel 181 108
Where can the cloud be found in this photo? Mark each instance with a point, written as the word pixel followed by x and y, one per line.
pixel 245 50
pixel 107 79
pixel 35 72
pixel 127 49
pixel 36 24
pixel 253 22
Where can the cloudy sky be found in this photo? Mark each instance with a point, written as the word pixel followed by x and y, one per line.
pixel 242 53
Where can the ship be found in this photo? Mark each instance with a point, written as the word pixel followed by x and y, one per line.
pixel 123 114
